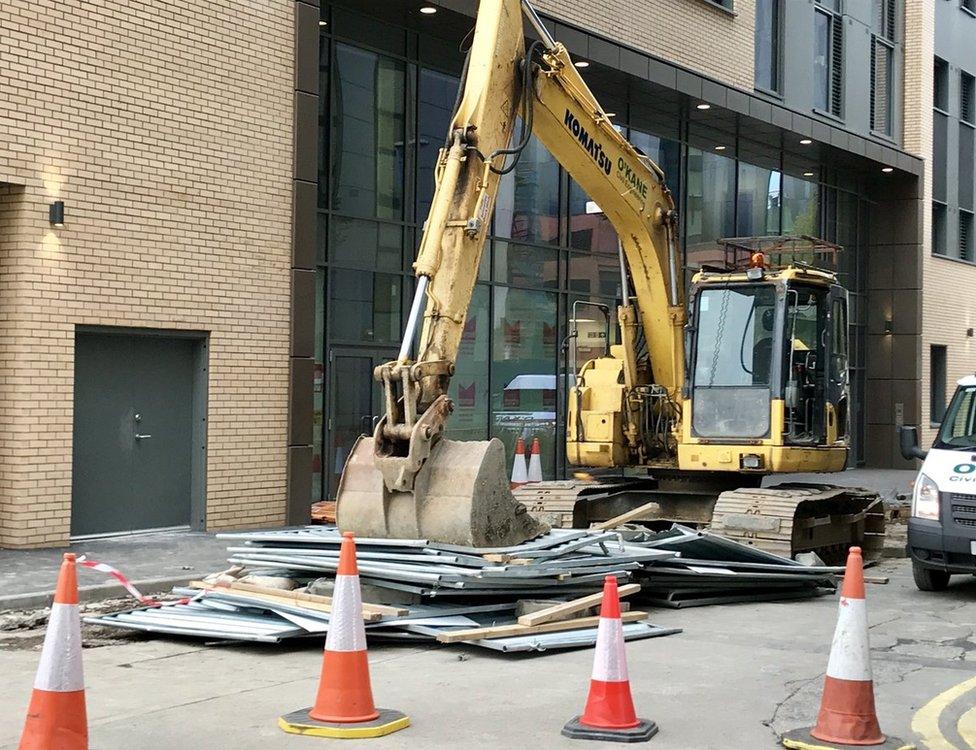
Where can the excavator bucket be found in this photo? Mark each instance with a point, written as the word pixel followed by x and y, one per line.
pixel 460 496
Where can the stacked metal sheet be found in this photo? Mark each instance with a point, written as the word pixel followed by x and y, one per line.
pixel 711 569
pixel 457 588
pixel 559 563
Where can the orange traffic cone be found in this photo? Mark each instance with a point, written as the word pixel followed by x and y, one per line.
pixel 535 462
pixel 847 714
pixel 344 704
pixel 609 714
pixel 56 717
pixel 520 472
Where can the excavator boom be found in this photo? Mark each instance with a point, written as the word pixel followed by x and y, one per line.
pixel 407 480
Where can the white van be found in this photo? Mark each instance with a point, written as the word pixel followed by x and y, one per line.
pixel 942 527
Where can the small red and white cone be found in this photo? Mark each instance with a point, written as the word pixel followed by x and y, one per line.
pixel 344 704
pixel 535 462
pixel 847 714
pixel 520 471
pixel 57 717
pixel 609 714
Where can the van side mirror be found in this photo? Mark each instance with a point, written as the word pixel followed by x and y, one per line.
pixel 908 442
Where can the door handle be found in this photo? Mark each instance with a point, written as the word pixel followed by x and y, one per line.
pixel 142 437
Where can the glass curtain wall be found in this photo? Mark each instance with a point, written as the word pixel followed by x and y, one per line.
pixel 387 97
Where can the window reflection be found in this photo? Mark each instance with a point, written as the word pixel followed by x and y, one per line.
pixel 527 206
pixel 711 206
pixel 759 196
pixel 368 129
pixel 801 206
pixel 365 306
pixel 435 102
pixel 524 265
pixel 524 345
pixel 366 244
pixel 469 386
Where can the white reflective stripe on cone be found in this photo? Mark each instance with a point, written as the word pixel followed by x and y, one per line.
pixel 60 669
pixel 610 660
pixel 346 629
pixel 850 655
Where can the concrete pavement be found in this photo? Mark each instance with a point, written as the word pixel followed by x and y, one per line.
pixel 737 676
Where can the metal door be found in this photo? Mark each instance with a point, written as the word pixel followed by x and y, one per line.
pixel 133 432
pixel 355 403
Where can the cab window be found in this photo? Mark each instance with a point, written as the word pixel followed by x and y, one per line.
pixel 959 426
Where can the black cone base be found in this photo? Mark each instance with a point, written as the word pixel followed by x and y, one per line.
pixel 641 733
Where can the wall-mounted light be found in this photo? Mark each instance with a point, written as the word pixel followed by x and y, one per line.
pixel 889 327
pixel 323 23
pixel 969 333
pixel 55 214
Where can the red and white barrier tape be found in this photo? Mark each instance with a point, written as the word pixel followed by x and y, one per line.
pixel 118 576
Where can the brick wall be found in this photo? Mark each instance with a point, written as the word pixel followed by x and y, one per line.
pixel 692 33
pixel 948 302
pixel 167 130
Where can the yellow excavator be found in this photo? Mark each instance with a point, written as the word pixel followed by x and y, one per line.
pixel 751 381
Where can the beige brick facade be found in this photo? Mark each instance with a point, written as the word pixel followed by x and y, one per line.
pixel 948 303
pixel 166 128
pixel 695 34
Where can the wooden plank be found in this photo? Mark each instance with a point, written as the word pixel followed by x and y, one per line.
pixel 369 615
pixel 303 596
pixel 559 611
pixel 504 631
pixel 630 515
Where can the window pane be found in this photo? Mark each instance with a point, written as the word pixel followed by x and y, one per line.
pixel 527 206
pixel 469 386
pixel 938 229
pixel 937 375
pixel 735 336
pixel 711 205
pixel 524 265
pixel 759 201
pixel 664 152
pixel 801 206
pixel 821 61
pixel 436 99
pixel 368 126
pixel 365 306
pixel 591 232
pixel 767 44
pixel 318 389
pixel 524 344
pixel 366 244
pixel 595 274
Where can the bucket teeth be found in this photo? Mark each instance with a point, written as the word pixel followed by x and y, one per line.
pixel 460 496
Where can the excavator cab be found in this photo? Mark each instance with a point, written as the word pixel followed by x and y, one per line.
pixel 768 359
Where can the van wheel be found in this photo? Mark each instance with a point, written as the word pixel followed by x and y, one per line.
pixel 927 579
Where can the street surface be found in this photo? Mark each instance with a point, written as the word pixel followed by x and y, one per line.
pixel 738 676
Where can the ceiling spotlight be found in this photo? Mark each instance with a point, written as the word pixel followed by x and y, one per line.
pixel 428 10
pixel 720 148
pixel 887 170
pixel 805 141
pixel 808 174
pixel 323 23
pixel 581 64
pixel 703 106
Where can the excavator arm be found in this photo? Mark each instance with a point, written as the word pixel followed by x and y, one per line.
pixel 407 481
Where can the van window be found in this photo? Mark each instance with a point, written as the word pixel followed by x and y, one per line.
pixel 959 426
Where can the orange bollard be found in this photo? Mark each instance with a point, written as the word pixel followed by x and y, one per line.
pixel 609 714
pixel 57 718
pixel 847 713
pixel 344 704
